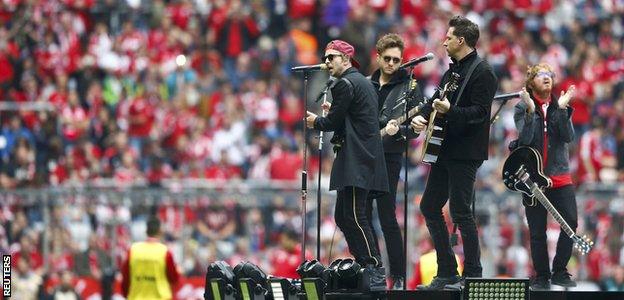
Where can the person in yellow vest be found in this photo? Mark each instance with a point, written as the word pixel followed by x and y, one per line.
pixel 149 271
pixel 426 269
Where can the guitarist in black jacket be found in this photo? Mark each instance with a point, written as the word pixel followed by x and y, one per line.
pixel 544 123
pixel 393 86
pixel 463 150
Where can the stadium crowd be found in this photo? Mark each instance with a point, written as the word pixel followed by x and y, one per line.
pixel 143 92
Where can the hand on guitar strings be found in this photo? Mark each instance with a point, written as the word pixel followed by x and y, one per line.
pixel 418 124
pixel 310 118
pixel 392 127
pixel 442 106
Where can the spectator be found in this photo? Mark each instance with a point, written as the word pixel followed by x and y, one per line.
pixel 149 271
pixel 27 283
pixel 65 290
pixel 614 282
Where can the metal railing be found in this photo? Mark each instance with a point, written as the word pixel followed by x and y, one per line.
pixel 257 194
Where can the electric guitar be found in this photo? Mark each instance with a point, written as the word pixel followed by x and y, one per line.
pixel 522 172
pixel 436 128
pixel 412 112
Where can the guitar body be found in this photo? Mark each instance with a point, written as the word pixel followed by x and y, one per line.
pixel 522 172
pixel 436 128
pixel 532 161
pixel 434 137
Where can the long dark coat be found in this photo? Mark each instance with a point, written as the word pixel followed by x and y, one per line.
pixel 353 117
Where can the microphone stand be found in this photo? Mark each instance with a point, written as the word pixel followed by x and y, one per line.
pixel 506 98
pixel 405 185
pixel 304 170
pixel 318 188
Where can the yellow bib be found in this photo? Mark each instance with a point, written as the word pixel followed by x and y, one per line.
pixel 148 272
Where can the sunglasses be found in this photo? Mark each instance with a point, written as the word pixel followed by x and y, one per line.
pixel 395 60
pixel 329 56
pixel 545 74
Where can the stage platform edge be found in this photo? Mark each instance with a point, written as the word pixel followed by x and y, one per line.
pixel 535 295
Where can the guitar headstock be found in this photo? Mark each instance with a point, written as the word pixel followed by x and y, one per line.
pixel 519 181
pixel 452 85
pixel 582 244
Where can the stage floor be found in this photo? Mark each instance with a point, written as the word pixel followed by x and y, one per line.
pixel 456 295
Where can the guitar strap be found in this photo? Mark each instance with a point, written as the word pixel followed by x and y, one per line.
pixel 476 62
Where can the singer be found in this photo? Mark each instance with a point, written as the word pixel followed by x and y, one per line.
pixel 359 166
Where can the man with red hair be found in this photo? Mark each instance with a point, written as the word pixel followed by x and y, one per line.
pixel 544 123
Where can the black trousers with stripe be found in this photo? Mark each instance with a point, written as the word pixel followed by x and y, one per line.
pixel 350 216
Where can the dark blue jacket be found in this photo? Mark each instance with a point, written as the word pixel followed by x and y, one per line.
pixel 559 131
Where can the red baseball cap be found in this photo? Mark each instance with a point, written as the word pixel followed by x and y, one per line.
pixel 345 48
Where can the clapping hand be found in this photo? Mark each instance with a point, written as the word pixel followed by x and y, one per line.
pixel 565 98
pixel 526 98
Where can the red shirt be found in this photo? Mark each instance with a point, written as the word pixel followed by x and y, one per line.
pixel 558 180
pixel 285 165
pixel 141 117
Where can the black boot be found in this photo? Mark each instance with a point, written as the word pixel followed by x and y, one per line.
pixel 440 283
pixel 377 278
pixel 540 283
pixel 397 283
pixel 562 279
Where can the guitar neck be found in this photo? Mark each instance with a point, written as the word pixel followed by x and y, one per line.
pixel 551 209
pixel 412 112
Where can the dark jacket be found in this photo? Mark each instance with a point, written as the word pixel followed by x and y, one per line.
pixel 559 131
pixel 387 96
pixel 353 118
pixel 468 120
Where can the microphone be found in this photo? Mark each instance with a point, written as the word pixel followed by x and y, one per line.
pixel 309 68
pixel 507 96
pixel 413 62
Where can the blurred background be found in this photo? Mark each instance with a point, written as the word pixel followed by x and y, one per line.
pixel 113 110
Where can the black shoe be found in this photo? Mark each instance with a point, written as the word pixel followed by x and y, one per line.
pixel 563 279
pixel 377 278
pixel 540 283
pixel 462 282
pixel 397 283
pixel 440 283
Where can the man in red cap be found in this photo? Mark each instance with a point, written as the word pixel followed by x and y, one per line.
pixel 359 166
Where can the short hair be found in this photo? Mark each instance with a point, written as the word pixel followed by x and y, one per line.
pixel 532 72
pixel 466 29
pixel 153 226
pixel 390 40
